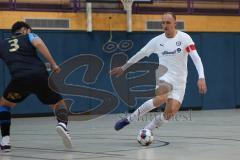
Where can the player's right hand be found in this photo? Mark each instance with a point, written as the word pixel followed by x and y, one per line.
pixel 202 86
pixel 56 69
pixel 117 71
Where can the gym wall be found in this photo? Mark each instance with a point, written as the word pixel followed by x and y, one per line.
pixel 219 52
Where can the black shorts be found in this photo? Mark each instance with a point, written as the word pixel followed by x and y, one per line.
pixel 20 88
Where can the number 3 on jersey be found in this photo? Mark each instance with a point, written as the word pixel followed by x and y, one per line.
pixel 14 45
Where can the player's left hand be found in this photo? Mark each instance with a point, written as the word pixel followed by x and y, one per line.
pixel 117 71
pixel 202 86
pixel 56 69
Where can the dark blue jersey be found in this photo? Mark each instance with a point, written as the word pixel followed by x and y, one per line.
pixel 21 56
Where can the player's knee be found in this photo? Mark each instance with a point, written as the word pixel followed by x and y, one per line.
pixel 7 103
pixel 163 88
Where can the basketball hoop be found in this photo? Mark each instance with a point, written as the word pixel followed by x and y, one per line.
pixel 127 4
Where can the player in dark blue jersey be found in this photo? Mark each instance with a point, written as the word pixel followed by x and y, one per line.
pixel 29 76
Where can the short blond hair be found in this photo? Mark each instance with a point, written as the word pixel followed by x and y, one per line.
pixel 172 14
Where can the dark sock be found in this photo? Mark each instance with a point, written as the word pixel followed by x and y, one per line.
pixel 5 129
pixel 62 115
pixel 5 120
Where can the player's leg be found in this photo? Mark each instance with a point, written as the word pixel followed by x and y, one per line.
pixel 14 93
pixel 172 107
pixel 161 92
pixel 5 122
pixel 161 96
pixel 47 96
pixel 147 106
pixel 61 112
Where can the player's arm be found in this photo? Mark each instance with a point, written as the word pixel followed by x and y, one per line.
pixel 117 71
pixel 145 51
pixel 42 48
pixel 199 66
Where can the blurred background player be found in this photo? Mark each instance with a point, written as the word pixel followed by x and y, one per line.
pixel 173 48
pixel 29 75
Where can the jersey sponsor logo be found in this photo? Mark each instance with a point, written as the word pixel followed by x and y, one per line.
pixel 169 53
pixel 178 50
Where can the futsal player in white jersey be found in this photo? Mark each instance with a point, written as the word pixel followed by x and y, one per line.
pixel 172 48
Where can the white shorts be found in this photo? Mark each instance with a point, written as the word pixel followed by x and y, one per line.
pixel 178 90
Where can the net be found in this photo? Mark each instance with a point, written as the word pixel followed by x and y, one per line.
pixel 127 4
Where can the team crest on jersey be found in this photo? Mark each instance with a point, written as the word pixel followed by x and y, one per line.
pixel 14 96
pixel 179 50
pixel 178 43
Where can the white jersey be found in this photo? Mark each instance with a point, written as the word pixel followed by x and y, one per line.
pixel 172 53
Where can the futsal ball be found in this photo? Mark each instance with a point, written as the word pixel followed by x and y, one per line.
pixel 145 137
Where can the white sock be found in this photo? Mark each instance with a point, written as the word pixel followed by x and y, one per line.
pixel 143 109
pixel 5 141
pixel 63 124
pixel 156 122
